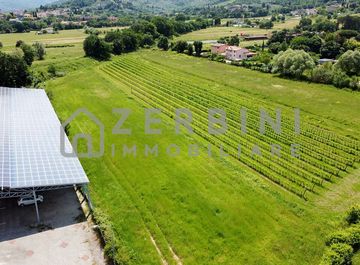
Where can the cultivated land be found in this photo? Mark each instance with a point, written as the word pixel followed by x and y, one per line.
pixel 208 210
pixel 63 37
pixel 216 210
pixel 215 33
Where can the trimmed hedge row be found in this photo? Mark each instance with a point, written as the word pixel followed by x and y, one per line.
pixel 114 248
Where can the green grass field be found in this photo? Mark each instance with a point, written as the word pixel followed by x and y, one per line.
pixel 66 58
pixel 214 33
pixel 204 210
pixel 63 37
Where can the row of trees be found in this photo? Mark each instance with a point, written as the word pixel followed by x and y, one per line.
pixel 15 67
pixel 300 65
pixel 322 37
pixel 14 70
pixel 144 33
pixel 230 40
pixel 29 52
pixel 20 27
pixel 189 48
pixel 299 50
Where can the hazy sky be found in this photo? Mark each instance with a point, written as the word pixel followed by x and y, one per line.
pixel 6 5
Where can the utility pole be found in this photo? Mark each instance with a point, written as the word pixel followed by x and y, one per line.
pixel 36 207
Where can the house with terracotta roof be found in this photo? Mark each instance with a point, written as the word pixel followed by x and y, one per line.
pixel 218 48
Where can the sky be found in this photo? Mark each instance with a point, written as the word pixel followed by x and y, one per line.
pixel 8 5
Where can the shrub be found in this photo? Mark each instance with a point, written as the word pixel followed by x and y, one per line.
pixel 163 43
pixel 353 215
pixel 147 40
pixel 330 49
pixel 350 236
pixel 29 53
pixel 14 72
pixel 277 47
pixel 19 43
pixel 341 79
pixel 355 83
pixel 180 46
pixel 115 248
pixel 190 49
pixel 349 63
pixel 198 47
pixel 39 50
pixel 130 40
pixel 263 57
pixel 322 74
pixel 338 254
pixel 292 63
pixel 351 44
pixel 97 48
pixel 266 24
pixel 118 47
pixel 234 40
pixel 52 70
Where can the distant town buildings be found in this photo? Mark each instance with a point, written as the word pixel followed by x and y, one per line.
pixel 305 12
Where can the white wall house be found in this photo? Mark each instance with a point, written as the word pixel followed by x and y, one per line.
pixel 235 53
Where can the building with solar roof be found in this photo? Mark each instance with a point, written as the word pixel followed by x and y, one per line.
pixel 30 153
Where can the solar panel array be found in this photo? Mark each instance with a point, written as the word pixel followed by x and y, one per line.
pixel 30 153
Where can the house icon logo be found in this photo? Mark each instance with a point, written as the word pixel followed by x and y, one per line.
pixel 67 151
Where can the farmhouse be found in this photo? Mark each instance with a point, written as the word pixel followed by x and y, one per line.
pixel 218 48
pixel 235 53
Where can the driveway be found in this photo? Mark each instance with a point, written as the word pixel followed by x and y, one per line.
pixel 66 238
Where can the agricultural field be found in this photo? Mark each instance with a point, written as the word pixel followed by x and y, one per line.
pixel 218 209
pixel 325 154
pixel 214 33
pixel 64 50
pixel 63 37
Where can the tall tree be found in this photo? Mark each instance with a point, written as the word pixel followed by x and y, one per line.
pixel 163 43
pixel 198 47
pixel 292 63
pixel 14 71
pixel 29 53
pixel 39 50
pixel 97 48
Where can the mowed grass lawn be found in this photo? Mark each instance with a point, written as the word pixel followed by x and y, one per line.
pixel 214 33
pixel 209 210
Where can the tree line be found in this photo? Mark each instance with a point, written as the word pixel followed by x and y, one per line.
pixel 143 33
pixel 15 68
pixel 296 53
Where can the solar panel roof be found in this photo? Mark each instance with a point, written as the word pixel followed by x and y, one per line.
pixel 30 153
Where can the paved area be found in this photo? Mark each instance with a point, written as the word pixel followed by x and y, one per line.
pixel 66 239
